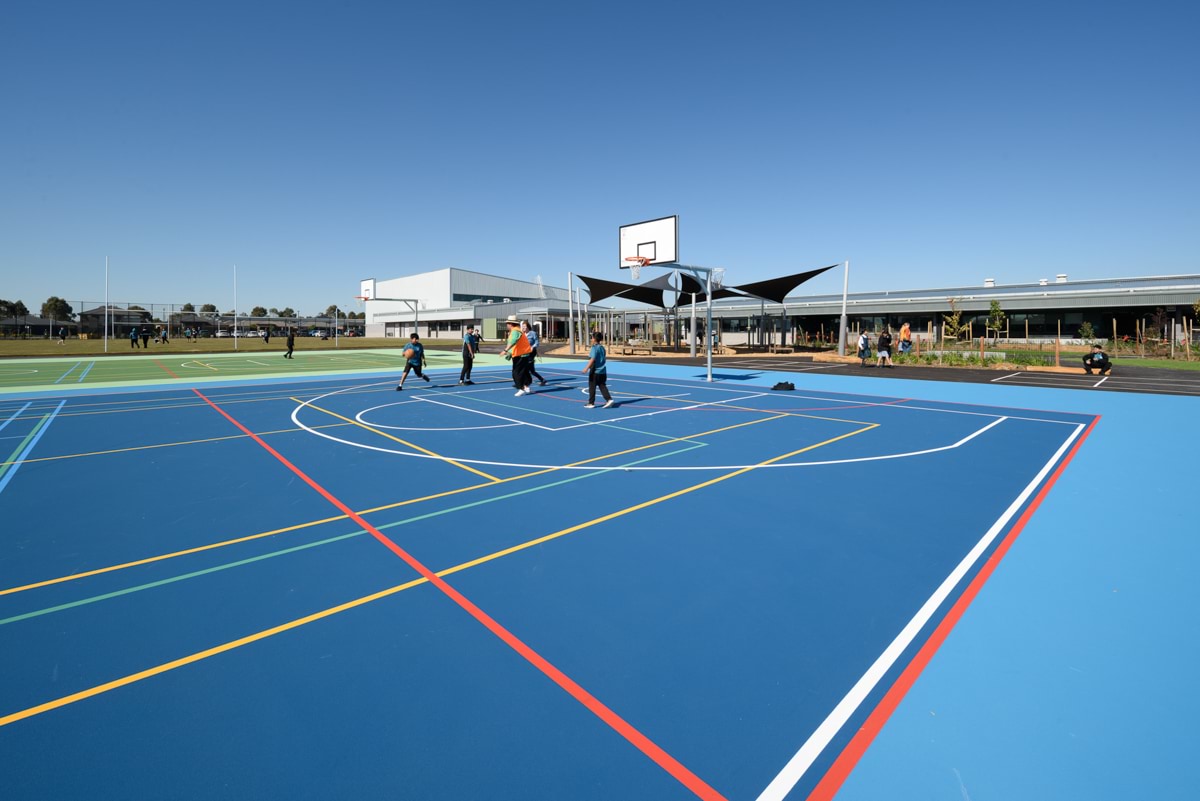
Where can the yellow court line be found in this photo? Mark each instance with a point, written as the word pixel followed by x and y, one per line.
pixel 426 451
pixel 397 504
pixel 161 445
pixel 219 649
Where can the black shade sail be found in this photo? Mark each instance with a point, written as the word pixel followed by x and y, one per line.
pixel 652 293
pixel 776 289
pixel 599 289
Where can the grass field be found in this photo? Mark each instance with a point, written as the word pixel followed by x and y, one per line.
pixel 120 347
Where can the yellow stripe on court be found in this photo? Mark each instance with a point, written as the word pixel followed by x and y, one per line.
pixel 261 635
pixel 385 507
pixel 413 445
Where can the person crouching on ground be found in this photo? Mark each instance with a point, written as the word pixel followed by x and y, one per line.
pixel 1097 360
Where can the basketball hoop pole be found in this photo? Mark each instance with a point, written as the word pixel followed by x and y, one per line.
pixel 842 333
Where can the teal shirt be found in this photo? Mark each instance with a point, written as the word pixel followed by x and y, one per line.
pixel 418 353
pixel 598 356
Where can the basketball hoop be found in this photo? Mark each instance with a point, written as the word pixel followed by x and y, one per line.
pixel 636 265
pixel 361 301
pixel 718 277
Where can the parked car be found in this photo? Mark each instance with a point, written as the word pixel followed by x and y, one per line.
pixel 221 334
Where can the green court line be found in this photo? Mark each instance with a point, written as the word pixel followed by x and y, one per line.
pixel 12 457
pixel 415 519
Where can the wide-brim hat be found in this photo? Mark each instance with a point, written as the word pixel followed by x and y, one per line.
pixel 512 320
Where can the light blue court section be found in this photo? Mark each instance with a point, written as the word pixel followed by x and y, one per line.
pixel 1072 675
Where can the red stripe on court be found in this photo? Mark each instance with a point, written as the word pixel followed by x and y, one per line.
pixel 618 724
pixel 833 779
pixel 168 369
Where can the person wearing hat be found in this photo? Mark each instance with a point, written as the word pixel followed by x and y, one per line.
pixel 517 348
pixel 532 335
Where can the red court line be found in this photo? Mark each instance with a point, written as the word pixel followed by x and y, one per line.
pixel 593 704
pixel 163 366
pixel 838 772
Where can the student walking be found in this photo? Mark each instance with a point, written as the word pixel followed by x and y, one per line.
pixel 532 335
pixel 884 346
pixel 864 347
pixel 517 348
pixel 291 343
pixel 62 336
pixel 905 338
pixel 597 373
pixel 133 338
pixel 469 348
pixel 145 337
pixel 415 360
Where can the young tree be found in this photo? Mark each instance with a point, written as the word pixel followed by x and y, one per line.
pixel 995 321
pixel 1086 332
pixel 952 324
pixel 55 308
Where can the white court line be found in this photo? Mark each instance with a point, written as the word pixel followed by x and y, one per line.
pixel 694 406
pixel 509 420
pixel 1101 381
pixel 264 364
pixel 690 468
pixel 1001 378
pixel 796 767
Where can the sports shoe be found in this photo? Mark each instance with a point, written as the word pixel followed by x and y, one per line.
pixel 543 382
pixel 460 383
pixel 519 393
pixel 529 390
pixel 399 389
pixel 610 404
pixel 589 406
pixel 469 383
pixel 425 377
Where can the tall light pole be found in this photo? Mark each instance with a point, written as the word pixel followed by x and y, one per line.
pixel 842 332
pixel 106 304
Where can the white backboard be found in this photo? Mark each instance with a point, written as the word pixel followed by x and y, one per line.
pixel 366 288
pixel 657 240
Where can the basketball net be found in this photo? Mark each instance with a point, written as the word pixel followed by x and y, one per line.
pixel 636 263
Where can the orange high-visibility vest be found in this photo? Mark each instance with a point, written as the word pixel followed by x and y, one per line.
pixel 521 346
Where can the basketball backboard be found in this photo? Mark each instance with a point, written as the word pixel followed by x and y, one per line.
pixel 366 288
pixel 656 240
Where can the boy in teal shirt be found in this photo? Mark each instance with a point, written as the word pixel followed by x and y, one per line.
pixel 597 373
pixel 416 360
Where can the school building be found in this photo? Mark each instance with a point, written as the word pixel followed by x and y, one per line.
pixel 442 302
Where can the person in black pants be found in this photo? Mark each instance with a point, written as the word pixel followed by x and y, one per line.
pixel 469 349
pixel 531 334
pixel 1098 360
pixel 291 343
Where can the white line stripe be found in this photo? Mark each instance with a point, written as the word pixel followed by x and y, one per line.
pixel 796 767
pixel 473 411
pixel 1101 381
pixel 1001 378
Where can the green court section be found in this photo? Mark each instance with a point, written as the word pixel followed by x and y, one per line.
pixel 63 373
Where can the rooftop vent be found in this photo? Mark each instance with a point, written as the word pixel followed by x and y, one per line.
pixel 1061 278
pixel 1043 281
pixel 988 283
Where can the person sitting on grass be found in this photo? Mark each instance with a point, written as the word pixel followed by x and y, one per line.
pixel 1097 359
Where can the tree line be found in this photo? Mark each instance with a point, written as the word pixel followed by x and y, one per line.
pixel 55 308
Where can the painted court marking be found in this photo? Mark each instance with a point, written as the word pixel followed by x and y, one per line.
pixel 799 764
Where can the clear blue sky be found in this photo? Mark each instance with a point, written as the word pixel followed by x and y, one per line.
pixel 314 144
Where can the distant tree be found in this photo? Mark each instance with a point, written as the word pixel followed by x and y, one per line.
pixel 274 311
pixel 952 324
pixel 332 311
pixel 135 307
pixel 258 311
pixel 1086 332
pixel 208 308
pixel 18 310
pixel 187 307
pixel 1159 319
pixel 1196 307
pixel 55 308
pixel 287 311
pixel 995 320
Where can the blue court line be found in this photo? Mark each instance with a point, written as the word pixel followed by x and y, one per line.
pixel 83 375
pixel 64 375
pixel 15 415
pixel 14 463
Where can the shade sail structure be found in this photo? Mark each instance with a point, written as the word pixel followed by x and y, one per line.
pixel 776 289
pixel 653 293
